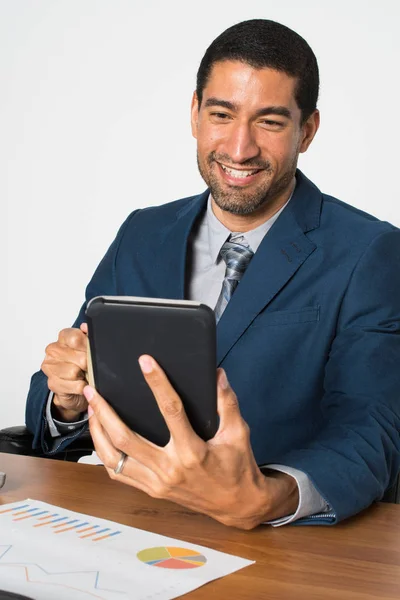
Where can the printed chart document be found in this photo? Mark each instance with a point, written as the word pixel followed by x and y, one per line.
pixel 48 552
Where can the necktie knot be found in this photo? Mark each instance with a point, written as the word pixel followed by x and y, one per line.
pixel 237 255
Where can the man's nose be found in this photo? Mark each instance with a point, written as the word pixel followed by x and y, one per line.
pixel 241 144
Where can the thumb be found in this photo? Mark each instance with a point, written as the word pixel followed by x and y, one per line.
pixel 97 404
pixel 84 328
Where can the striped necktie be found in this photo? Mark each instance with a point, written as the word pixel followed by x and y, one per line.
pixel 237 257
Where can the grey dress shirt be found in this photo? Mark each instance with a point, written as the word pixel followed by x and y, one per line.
pixel 205 282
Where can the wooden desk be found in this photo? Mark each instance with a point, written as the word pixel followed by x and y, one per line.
pixel 356 560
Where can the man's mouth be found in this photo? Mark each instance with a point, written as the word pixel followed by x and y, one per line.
pixel 238 173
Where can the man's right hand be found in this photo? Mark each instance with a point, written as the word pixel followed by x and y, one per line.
pixel 65 365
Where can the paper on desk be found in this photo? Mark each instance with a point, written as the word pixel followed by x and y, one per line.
pixel 91 459
pixel 47 552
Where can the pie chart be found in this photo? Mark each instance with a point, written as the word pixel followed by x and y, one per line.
pixel 170 557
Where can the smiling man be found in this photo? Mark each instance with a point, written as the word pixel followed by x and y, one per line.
pixel 306 291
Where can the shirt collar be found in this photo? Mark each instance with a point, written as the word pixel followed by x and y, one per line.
pixel 218 233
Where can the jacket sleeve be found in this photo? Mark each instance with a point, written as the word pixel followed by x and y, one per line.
pixel 356 456
pixel 103 282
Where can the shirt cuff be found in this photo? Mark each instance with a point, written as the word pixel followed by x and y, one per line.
pixel 59 428
pixel 310 500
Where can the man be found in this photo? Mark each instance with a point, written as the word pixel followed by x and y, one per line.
pixel 308 340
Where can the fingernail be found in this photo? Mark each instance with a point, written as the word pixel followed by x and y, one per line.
pixel 146 364
pixel 223 380
pixel 90 411
pixel 88 392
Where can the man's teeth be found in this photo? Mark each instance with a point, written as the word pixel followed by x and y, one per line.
pixel 239 174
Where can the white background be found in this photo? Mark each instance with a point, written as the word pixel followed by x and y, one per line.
pixel 94 122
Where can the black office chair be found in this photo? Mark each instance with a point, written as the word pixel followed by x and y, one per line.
pixel 12 596
pixel 18 440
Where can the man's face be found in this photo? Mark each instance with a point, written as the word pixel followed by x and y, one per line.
pixel 249 135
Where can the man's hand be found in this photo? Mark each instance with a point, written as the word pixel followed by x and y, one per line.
pixel 65 365
pixel 219 478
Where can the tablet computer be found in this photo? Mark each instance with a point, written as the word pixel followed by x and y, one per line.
pixel 178 334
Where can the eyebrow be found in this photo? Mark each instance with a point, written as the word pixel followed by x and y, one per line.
pixel 266 110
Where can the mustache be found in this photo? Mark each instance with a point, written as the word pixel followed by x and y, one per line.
pixel 252 163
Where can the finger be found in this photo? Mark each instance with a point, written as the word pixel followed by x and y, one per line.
pixel 134 473
pixel 120 435
pixel 73 403
pixel 62 387
pixel 169 403
pixel 62 370
pixel 84 328
pixel 132 481
pixel 73 338
pixel 63 353
pixel 227 403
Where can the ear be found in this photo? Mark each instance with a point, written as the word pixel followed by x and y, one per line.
pixel 194 114
pixel 309 130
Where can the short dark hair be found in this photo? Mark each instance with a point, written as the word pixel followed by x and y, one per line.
pixel 262 43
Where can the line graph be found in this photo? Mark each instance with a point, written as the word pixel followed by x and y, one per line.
pixel 26 570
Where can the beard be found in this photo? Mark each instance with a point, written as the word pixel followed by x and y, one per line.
pixel 239 201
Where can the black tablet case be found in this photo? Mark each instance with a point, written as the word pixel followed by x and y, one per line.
pixel 180 335
pixel 4 595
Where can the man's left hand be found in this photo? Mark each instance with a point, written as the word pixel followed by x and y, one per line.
pixel 219 478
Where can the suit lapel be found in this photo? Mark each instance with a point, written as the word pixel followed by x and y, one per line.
pixel 171 251
pixel 283 250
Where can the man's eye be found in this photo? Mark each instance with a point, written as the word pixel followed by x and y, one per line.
pixel 219 116
pixel 272 123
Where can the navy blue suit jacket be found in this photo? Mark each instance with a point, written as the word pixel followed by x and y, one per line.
pixel 310 340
